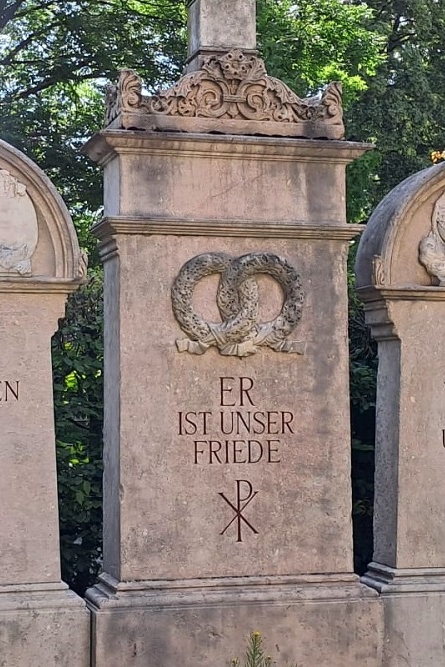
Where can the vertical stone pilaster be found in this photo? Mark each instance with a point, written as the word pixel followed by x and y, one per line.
pixel 227 453
pixel 42 622
pixel 227 444
pixel 405 307
pixel 216 27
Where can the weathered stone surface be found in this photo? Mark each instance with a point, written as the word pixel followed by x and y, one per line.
pixel 216 27
pixel 314 620
pixel 40 263
pixel 190 494
pixel 43 625
pixel 406 313
pixel 173 470
pixel 227 180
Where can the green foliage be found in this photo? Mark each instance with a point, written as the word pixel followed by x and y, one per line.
pixel 308 44
pixel 254 655
pixel 363 376
pixel 78 387
pixel 402 110
pixel 55 58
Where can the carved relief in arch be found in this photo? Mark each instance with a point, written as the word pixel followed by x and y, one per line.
pixel 403 244
pixel 432 246
pixel 18 226
pixel 38 242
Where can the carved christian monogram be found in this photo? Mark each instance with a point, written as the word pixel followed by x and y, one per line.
pixel 239 334
pixel 244 495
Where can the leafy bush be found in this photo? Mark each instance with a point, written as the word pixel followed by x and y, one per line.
pixel 78 388
pixel 363 382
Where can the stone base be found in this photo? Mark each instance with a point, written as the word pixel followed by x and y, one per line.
pixel 314 620
pixel 414 611
pixel 43 625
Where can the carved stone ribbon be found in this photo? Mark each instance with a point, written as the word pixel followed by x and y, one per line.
pixel 239 334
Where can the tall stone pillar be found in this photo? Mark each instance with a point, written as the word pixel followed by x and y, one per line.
pixel 227 445
pixel 42 623
pixel 400 276
pixel 216 27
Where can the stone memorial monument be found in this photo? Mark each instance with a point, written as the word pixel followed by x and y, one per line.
pixel 227 443
pixel 401 277
pixel 42 623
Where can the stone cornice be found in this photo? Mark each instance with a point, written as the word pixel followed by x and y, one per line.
pixel 394 581
pixel 105 145
pixel 35 286
pixel 373 295
pixel 231 591
pixel 111 226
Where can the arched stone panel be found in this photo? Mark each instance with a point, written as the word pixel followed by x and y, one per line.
pixel 388 254
pixel 38 242
pixel 400 277
pixel 40 263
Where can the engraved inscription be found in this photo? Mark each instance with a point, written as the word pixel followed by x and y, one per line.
pixel 244 496
pixel 9 390
pixel 240 333
pixel 253 432
pixel 239 431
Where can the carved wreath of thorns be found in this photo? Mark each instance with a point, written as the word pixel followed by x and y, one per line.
pixel 239 334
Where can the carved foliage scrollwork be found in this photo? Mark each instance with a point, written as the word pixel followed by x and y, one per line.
pixel 125 96
pixel 234 86
pixel 82 266
pixel 239 334
pixel 378 271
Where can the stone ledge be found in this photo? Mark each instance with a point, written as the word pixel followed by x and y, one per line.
pixel 331 230
pixel 231 591
pixel 108 143
pixel 394 581
pixel 25 597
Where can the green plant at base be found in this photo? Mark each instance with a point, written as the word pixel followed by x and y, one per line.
pixel 255 655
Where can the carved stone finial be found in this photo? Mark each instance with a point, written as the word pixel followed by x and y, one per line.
pixel 125 96
pixel 432 246
pixel 230 94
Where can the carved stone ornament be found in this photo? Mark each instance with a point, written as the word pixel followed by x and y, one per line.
pixel 18 226
pixel 432 246
pixel 82 267
pixel 232 87
pixel 239 334
pixel 378 271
